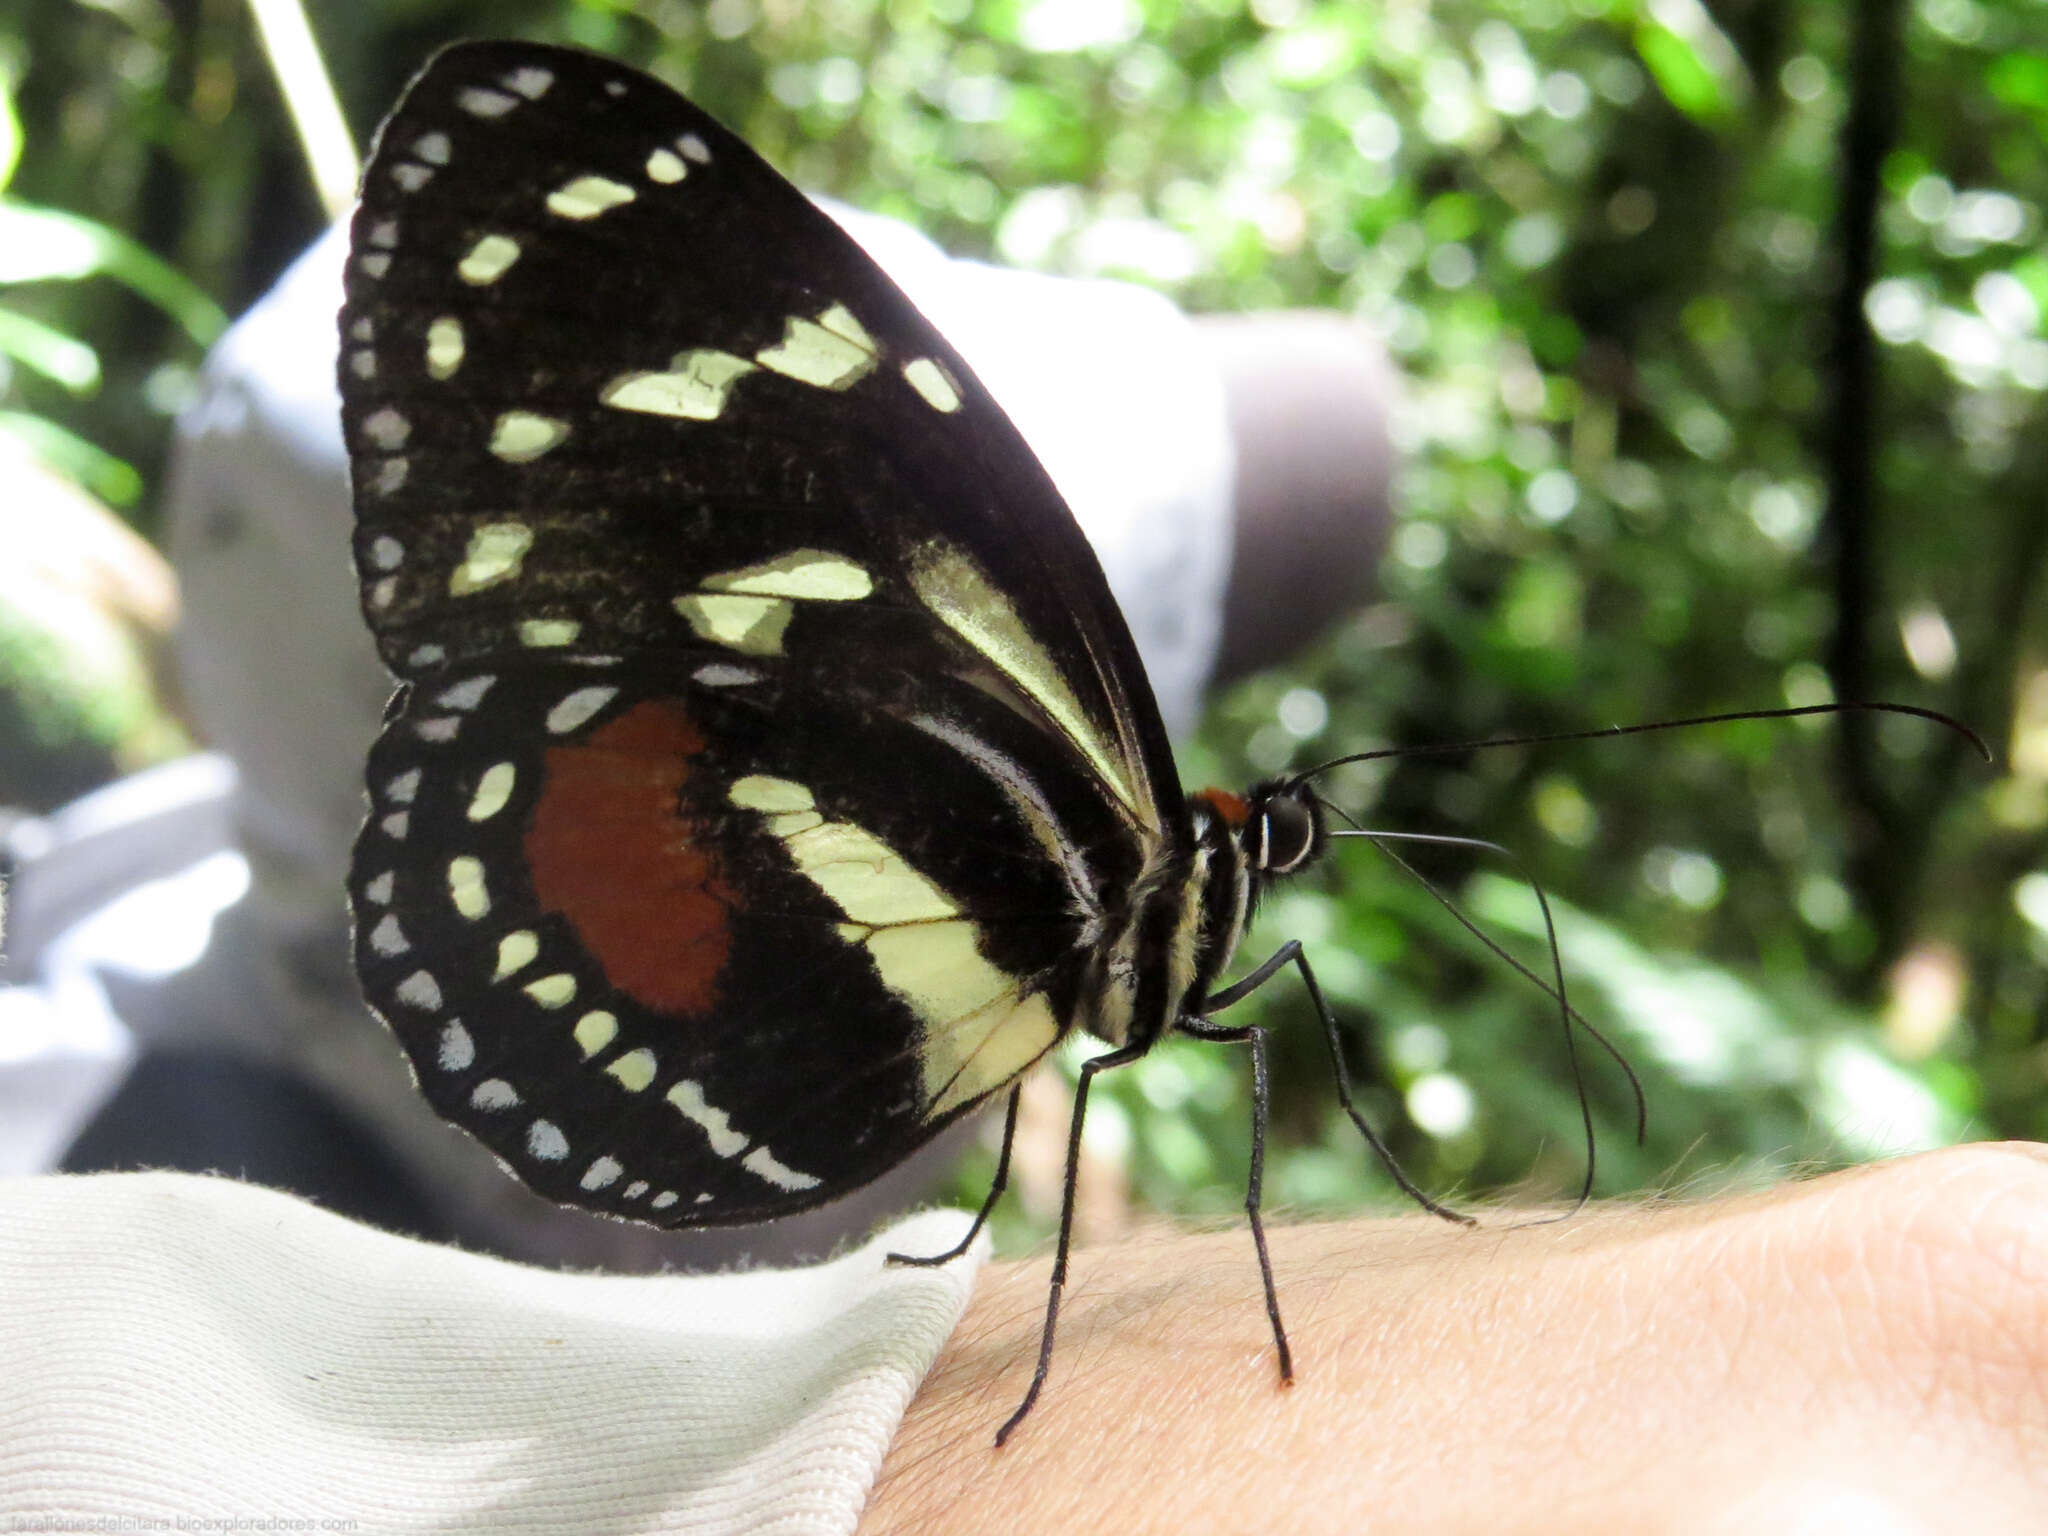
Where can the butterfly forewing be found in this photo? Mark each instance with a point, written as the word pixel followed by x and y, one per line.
pixel 766 752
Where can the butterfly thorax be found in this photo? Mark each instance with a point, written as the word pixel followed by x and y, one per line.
pixel 1187 914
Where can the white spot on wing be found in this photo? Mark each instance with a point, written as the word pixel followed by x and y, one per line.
pixel 458 1050
pixel 764 1164
pixel 400 788
pixel 442 728
pixel 694 148
pixel 466 694
pixel 432 148
pixel 411 177
pixel 386 552
pixel 494 1093
pixel 666 166
pixel 604 1171
pixel 396 825
pixel 377 890
pixel 717 674
pixel 530 81
pixel 387 428
pixel 390 476
pixel 664 1200
pixel 387 938
pixel 374 263
pixel 421 991
pixel 544 1139
pixel 576 708
pixel 427 656
pixel 480 101
pixel 688 1097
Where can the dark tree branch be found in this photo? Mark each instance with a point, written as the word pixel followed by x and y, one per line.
pixel 1871 127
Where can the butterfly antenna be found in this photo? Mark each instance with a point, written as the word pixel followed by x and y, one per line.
pixel 1447 748
pixel 1444 900
pixel 1555 989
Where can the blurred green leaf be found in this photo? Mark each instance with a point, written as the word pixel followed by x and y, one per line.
pixel 49 244
pixel 112 480
pixel 57 357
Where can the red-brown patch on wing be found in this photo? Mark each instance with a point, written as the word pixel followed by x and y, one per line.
pixel 1232 810
pixel 610 850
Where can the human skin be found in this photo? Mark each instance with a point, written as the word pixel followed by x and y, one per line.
pixel 1865 1352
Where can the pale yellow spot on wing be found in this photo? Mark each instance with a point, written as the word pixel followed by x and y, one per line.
pixel 959 596
pixel 519 437
pixel 831 352
pixel 752 625
pixel 552 991
pixel 763 792
pixel 588 196
pixel 695 388
pixel 488 260
pixel 596 1030
pixel 634 1070
pixel 978 1033
pixel 492 791
pixel 934 383
pixel 802 573
pixel 666 167
pixel 466 887
pixel 494 555
pixel 515 953
pixel 545 632
pixel 444 347
pixel 688 1097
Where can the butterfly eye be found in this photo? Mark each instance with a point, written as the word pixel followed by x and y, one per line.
pixel 1285 835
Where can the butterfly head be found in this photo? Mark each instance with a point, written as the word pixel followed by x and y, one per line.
pixel 1278 825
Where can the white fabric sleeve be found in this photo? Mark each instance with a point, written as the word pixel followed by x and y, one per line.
pixel 184 1353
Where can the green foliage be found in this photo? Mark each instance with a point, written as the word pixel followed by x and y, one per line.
pixel 1601 238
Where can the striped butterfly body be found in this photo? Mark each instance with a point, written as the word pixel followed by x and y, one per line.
pixel 772 779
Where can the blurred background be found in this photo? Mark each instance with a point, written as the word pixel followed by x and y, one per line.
pixel 1722 332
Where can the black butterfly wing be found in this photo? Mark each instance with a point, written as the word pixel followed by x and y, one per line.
pixel 770 745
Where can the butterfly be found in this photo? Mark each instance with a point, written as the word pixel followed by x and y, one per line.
pixel 772 779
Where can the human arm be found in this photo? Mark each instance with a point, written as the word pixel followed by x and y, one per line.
pixel 1864 1351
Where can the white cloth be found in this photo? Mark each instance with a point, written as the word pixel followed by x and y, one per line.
pixel 191 1349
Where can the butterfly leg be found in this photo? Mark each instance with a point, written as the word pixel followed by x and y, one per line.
pixel 1255 1036
pixel 1089 1068
pixel 1290 954
pixel 995 1193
